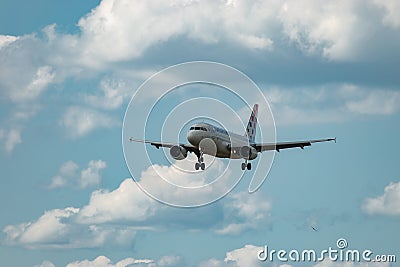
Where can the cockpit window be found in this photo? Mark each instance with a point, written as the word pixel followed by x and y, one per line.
pixel 198 128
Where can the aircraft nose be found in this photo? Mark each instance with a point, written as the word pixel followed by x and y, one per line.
pixel 191 137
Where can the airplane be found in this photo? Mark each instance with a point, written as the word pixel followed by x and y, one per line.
pixel 227 144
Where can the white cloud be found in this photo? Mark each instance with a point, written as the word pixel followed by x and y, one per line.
pixel 255 42
pixel 58 229
pixel 242 257
pixel 91 175
pixel 95 224
pixel 169 260
pixel 80 121
pixel 103 261
pixel 69 172
pixel 13 138
pixel 139 25
pixel 180 185
pixel 132 203
pixel 386 204
pixel 57 182
pixel 101 223
pixel 22 85
pixel 113 95
pixel 24 71
pixel 332 30
pixel 45 264
pixel 68 168
pixel 40 81
pixel 135 205
pixel 47 229
pixel 245 211
pixel 6 40
pixel 392 12
pixel 330 103
pixel 380 102
pixel 335 31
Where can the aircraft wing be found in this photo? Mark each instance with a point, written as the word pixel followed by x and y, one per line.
pixel 283 145
pixel 188 147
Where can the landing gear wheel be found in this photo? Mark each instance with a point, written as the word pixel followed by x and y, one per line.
pixel 249 166
pixel 243 166
pixel 200 162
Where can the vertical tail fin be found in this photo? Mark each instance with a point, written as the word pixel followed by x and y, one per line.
pixel 252 125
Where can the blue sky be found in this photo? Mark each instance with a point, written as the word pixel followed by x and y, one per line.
pixel 69 70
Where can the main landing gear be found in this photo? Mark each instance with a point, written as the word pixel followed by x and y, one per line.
pixel 246 165
pixel 200 164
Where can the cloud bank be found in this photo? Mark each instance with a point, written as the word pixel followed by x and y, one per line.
pixel 113 217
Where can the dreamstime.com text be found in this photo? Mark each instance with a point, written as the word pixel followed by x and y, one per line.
pixel 339 254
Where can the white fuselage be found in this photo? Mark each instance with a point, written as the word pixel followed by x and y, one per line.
pixel 225 142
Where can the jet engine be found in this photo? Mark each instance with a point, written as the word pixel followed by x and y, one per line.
pixel 178 152
pixel 248 152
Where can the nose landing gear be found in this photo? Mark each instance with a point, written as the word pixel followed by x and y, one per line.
pixel 200 164
pixel 246 165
